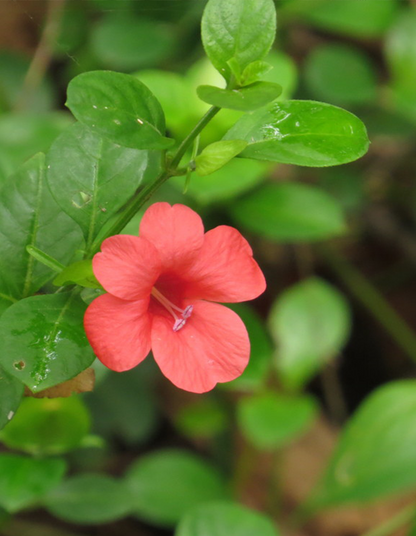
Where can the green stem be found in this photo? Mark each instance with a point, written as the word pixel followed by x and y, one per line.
pixel 137 201
pixel 373 300
pixel 391 525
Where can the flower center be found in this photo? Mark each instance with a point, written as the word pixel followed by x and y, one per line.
pixel 184 314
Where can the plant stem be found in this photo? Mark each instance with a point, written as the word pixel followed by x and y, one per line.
pixel 373 300
pixel 388 527
pixel 138 200
pixel 43 54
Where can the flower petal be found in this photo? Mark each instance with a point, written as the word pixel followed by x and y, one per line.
pixel 225 270
pixel 127 266
pixel 212 347
pixel 176 231
pixel 118 331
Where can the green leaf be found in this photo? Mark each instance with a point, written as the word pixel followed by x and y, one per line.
pixel 225 519
pixel 375 455
pixel 290 212
pixel 43 340
pixel 245 99
pixel 29 216
pixel 310 323
pixel 91 178
pixel 11 392
pixel 48 427
pixel 119 107
pixel 272 420
pixel 341 74
pixel 126 42
pixel 24 481
pixel 216 155
pixel 242 30
pixel 305 133
pixel 80 273
pixel 195 481
pixel 356 18
pixel 258 367
pixel 254 71
pixel 89 499
pixel 236 177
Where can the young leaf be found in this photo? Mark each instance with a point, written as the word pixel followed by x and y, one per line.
pixel 305 133
pixel 89 499
pixel 91 178
pixel 236 177
pixel 24 481
pixel 225 519
pixel 47 427
pixel 216 155
pixel 242 30
pixel 119 107
pixel 11 392
pixel 195 482
pixel 80 273
pixel 271 420
pixel 245 99
pixel 254 71
pixel 290 212
pixel 29 216
pixel 310 323
pixel 375 455
pixel 43 340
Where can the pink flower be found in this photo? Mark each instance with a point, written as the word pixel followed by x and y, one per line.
pixel 161 286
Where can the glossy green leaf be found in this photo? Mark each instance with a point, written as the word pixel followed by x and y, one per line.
pixel 245 99
pixel 126 42
pixel 341 74
pixel 89 499
pixel 375 455
pixel 80 273
pixel 256 372
pixel 119 107
pixel 236 177
pixel 24 135
pixel 310 323
pixel 29 216
pixel 305 133
pixel 400 49
pixel 91 178
pixel 357 18
pixel 272 420
pixel 24 481
pixel 290 212
pixel 47 426
pixel 242 30
pixel 11 392
pixel 43 340
pixel 195 481
pixel 216 155
pixel 225 519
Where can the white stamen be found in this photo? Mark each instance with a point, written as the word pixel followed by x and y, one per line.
pixel 171 307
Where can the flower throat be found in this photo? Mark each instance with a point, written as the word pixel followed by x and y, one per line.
pixel 184 314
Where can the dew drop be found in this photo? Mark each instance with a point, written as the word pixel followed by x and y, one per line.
pixel 19 365
pixel 10 415
pixel 117 121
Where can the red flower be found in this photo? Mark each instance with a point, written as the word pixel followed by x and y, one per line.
pixel 160 287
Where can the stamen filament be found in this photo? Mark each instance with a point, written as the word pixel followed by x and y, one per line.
pixel 171 307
